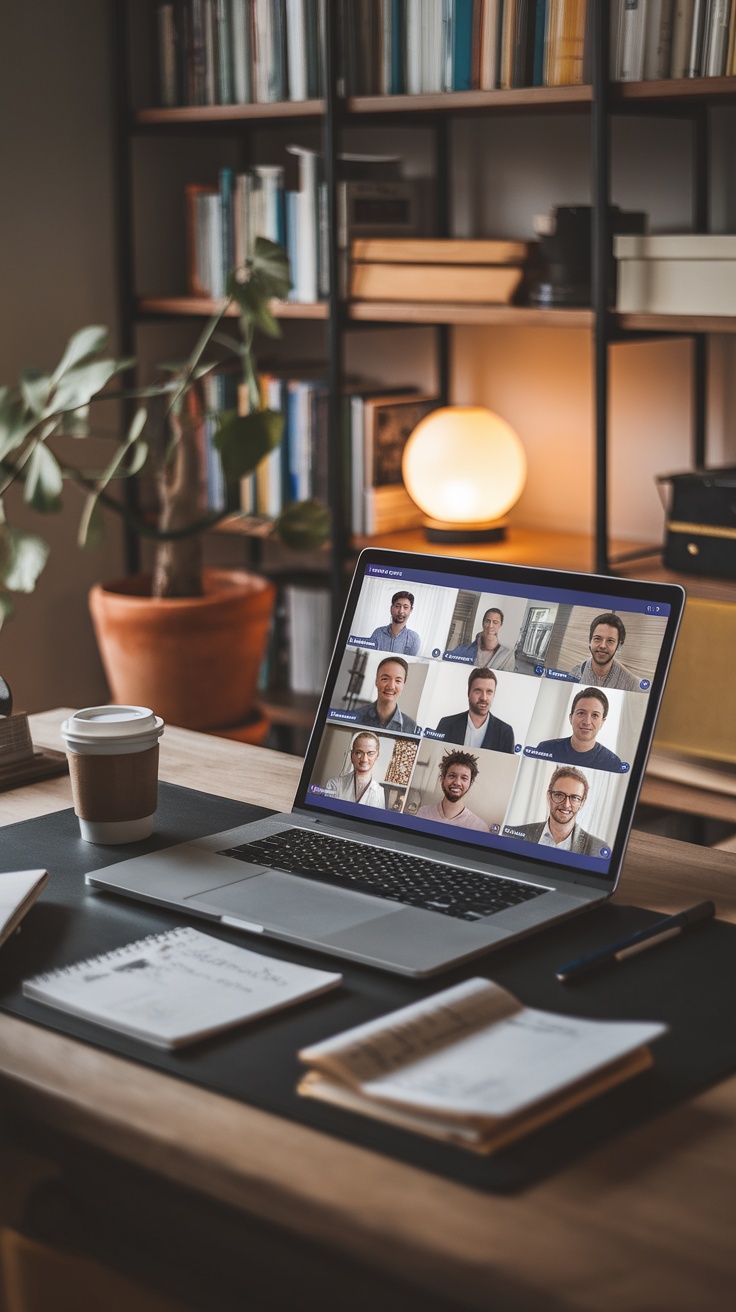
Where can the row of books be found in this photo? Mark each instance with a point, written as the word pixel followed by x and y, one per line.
pixel 300 645
pixel 238 51
pixel 654 39
pixel 234 52
pixel 287 203
pixel 376 425
pixel 429 46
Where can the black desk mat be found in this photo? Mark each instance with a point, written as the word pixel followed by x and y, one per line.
pixel 683 982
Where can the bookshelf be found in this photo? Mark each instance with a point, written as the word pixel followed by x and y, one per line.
pixel 599 103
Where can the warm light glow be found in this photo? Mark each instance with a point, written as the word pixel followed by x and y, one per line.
pixel 464 465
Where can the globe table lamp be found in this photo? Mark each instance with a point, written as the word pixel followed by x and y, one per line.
pixel 464 467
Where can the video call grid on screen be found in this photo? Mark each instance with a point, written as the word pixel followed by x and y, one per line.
pixel 534 688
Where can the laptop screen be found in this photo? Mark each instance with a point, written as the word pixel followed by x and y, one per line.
pixel 504 708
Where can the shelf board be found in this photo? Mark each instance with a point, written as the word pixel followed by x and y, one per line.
pixel 453 102
pixel 198 115
pixel 203 306
pixel 672 91
pixel 678 323
pixel 380 312
pixel 571 551
pixel 684 90
pixel 447 312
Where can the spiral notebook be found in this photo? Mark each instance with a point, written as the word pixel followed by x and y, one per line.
pixel 173 988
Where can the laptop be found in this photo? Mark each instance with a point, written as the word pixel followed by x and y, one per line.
pixel 471 776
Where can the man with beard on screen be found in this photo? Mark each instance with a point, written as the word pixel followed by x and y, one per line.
pixel 458 773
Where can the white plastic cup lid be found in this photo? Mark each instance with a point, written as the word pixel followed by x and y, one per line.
pixel 111 722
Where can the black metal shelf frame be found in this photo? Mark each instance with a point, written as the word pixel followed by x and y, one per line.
pixel 338 112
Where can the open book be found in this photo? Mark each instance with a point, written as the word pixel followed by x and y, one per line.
pixel 173 988
pixel 472 1066
pixel 18 891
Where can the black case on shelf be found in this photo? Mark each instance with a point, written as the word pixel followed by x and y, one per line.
pixel 701 522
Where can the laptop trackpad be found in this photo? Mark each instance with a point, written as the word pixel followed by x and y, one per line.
pixel 298 906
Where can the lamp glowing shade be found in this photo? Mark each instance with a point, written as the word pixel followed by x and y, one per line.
pixel 464 467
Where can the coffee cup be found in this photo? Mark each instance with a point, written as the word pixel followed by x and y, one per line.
pixel 113 763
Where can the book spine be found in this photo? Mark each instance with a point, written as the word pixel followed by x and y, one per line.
pixel 210 51
pixel 682 27
pixel 505 72
pixel 166 56
pixel 392 46
pixel 565 42
pixel 240 31
pixel 658 40
pixel 224 51
pixel 307 228
pixel 413 47
pixel 540 23
pixel 490 37
pixel 296 48
pixel 731 40
pixel 226 221
pixel 196 93
pixel 694 66
pixel 715 40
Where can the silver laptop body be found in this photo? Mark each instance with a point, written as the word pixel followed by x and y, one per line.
pixel 539 639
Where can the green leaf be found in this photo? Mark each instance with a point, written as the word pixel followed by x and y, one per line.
pixel 7 609
pixel 35 386
pixel 243 440
pixel 14 428
pixel 22 557
pixel 254 308
pixel 78 386
pixel 271 268
pixel 44 481
pixel 75 423
pixel 304 525
pixel 92 524
pixel 230 343
pixel 128 460
pixel 85 343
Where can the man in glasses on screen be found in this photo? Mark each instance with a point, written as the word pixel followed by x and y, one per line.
pixel 566 794
pixel 358 784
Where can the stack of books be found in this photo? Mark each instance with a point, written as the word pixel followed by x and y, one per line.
pixel 679 273
pixel 466 271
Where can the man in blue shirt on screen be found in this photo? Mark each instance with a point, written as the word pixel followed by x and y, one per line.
pixel 395 636
pixel 587 716
pixel 384 712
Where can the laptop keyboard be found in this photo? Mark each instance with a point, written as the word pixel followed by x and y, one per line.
pixel 449 890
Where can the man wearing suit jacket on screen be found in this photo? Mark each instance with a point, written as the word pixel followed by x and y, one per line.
pixel 476 727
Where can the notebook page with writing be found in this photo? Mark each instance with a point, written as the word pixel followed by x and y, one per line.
pixel 473 1051
pixel 174 988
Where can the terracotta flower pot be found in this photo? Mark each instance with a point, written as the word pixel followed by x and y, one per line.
pixel 193 660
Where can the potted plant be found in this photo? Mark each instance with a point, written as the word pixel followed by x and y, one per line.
pixel 187 641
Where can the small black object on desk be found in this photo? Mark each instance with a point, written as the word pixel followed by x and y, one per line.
pixel 659 932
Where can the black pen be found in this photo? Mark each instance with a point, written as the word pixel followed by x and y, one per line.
pixel 659 932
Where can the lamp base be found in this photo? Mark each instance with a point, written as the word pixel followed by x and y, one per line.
pixel 436 531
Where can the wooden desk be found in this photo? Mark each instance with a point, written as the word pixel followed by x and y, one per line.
pixel 645 1223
